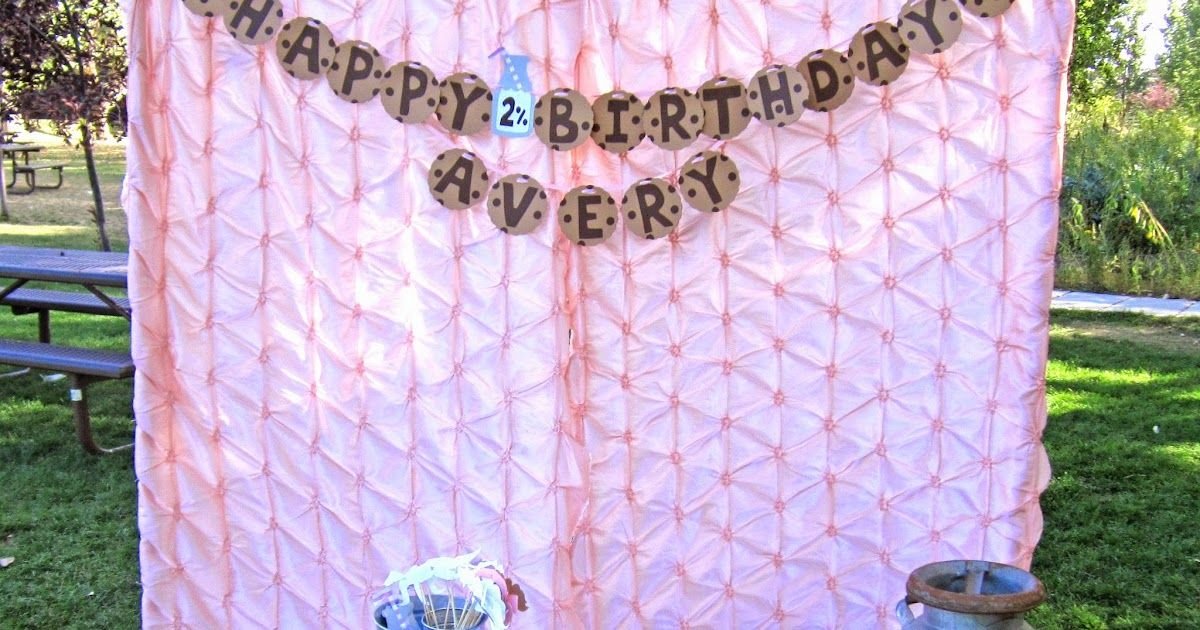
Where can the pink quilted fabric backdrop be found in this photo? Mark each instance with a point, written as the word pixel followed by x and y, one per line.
pixel 767 420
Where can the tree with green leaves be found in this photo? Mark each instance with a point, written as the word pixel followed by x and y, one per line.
pixel 64 60
pixel 1179 66
pixel 1108 50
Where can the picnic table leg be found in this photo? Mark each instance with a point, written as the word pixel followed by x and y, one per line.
pixel 12 287
pixel 59 169
pixel 44 325
pixel 12 188
pixel 83 419
pixel 12 155
pixel 104 297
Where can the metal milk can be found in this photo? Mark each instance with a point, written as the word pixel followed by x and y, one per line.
pixel 970 595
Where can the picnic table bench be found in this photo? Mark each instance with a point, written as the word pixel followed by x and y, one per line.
pixel 95 271
pixel 30 171
pixel 83 365
pixel 26 301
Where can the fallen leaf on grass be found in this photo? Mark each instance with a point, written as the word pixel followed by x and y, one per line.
pixel 4 562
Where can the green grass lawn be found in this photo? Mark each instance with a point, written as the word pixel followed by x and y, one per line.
pixel 67 519
pixel 68 210
pixel 1121 547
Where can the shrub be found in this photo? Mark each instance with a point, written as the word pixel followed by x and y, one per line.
pixel 1131 189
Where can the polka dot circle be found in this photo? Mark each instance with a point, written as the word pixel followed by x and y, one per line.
pixel 878 55
pixel 830 80
pixel 517 204
pixel 353 72
pixel 710 181
pixel 465 104
pixel 587 215
pixel 207 8
pixel 652 208
pixel 253 22
pixel 987 8
pixel 409 92
pixel 930 26
pixel 305 48
pixel 673 118
pixel 458 179
pixel 563 119
pixel 776 95
pixel 617 121
pixel 726 108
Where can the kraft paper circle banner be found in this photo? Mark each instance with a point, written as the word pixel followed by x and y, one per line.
pixel 930 26
pixel 878 56
pixel 410 92
pixel 617 122
pixel 673 118
pixel 987 8
pixel 830 79
pixel 726 108
pixel 458 179
pixel 305 48
pixel 777 95
pixel 710 181
pixel 204 8
pixel 588 215
pixel 517 204
pixel 252 23
pixel 355 72
pixel 562 119
pixel 652 208
pixel 465 104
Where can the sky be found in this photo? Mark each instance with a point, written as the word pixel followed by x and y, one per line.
pixel 1153 22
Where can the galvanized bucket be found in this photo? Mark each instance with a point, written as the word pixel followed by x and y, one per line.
pixel 970 595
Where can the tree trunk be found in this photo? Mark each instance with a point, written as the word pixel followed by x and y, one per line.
pixel 3 177
pixel 94 178
pixel 3 193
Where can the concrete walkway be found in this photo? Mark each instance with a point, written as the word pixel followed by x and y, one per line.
pixel 1081 301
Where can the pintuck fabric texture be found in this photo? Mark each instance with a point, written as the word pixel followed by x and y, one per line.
pixel 767 420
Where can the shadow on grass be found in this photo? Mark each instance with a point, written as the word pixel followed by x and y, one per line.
pixel 1121 548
